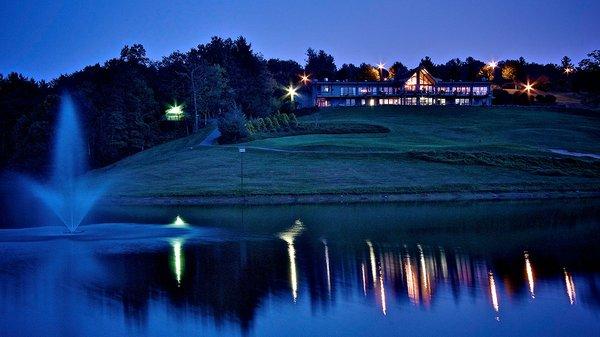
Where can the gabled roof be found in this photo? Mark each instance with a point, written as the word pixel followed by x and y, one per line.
pixel 405 76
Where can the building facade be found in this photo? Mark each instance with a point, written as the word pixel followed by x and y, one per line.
pixel 420 88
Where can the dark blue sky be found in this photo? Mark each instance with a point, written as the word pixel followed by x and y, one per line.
pixel 46 38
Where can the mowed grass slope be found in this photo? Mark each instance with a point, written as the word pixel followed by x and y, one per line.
pixel 428 149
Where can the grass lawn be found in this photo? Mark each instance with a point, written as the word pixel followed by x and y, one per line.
pixel 427 149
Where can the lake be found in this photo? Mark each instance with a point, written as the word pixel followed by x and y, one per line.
pixel 527 268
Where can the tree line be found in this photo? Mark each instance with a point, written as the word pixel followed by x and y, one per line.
pixel 122 102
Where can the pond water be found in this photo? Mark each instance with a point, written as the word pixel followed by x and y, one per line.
pixel 479 269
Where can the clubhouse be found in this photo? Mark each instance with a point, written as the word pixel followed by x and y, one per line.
pixel 419 88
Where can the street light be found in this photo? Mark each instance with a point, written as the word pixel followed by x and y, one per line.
pixel 291 91
pixel 381 65
pixel 304 78
pixel 492 64
pixel 568 70
pixel 529 87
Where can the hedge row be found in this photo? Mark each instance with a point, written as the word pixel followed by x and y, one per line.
pixel 274 123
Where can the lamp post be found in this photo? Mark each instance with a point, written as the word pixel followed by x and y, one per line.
pixel 381 65
pixel 242 150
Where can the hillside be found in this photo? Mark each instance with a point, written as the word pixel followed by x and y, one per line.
pixel 427 149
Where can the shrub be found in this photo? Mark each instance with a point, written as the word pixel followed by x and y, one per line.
pixel 284 120
pixel 550 99
pixel 260 125
pixel 275 121
pixel 232 126
pixel 269 124
pixel 294 120
pixel 250 126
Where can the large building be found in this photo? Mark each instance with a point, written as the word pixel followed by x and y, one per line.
pixel 419 88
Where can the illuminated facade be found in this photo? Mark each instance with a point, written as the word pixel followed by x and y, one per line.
pixel 420 88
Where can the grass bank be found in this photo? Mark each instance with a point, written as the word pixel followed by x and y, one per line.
pixel 452 150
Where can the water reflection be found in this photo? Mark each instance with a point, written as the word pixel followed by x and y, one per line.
pixel 178 259
pixel 529 273
pixel 494 295
pixel 289 236
pixel 570 286
pixel 344 281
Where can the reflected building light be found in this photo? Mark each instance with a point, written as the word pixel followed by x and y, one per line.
pixel 373 262
pixel 412 283
pixel 570 287
pixel 529 272
pixel 494 294
pixel 364 278
pixel 289 236
pixel 425 283
pixel 382 290
pixel 444 263
pixel 327 266
pixel 178 259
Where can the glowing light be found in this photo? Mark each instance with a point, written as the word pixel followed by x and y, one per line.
pixel 372 259
pixel 174 113
pixel 291 91
pixel 327 266
pixel 289 236
pixel 412 284
pixel 529 87
pixel 425 284
pixel 382 293
pixel 444 263
pixel 179 222
pixel 529 272
pixel 570 287
pixel 381 65
pixel 494 294
pixel 178 259
pixel 364 278
pixel 492 64
pixel 304 78
pixel 569 70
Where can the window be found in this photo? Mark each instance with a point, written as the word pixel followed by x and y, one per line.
pixel 372 102
pixel 480 91
pixel 348 91
pixel 323 103
pixel 461 101
pixel 350 102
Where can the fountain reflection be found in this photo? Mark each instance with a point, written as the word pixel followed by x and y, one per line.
pixel 570 285
pixel 178 259
pixel 289 236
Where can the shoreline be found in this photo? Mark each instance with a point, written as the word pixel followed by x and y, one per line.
pixel 290 199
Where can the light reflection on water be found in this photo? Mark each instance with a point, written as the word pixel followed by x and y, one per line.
pixel 305 278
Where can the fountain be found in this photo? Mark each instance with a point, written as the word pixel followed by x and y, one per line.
pixel 68 193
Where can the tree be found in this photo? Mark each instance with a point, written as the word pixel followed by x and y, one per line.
pixel 232 125
pixel 592 62
pixel 284 71
pixel 347 72
pixel 426 63
pixel 566 63
pixel 509 72
pixel 453 69
pixel 398 69
pixel 134 54
pixel 320 64
pixel 367 72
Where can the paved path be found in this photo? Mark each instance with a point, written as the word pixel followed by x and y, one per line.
pixel 212 137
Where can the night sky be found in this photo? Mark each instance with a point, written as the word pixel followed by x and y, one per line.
pixel 46 38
